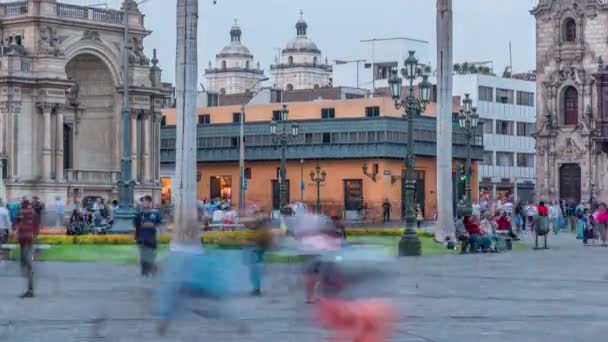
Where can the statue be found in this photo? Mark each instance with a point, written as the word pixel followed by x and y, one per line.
pixel 136 52
pixel 49 42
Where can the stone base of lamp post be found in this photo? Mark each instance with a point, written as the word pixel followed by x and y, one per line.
pixel 410 245
pixel 123 221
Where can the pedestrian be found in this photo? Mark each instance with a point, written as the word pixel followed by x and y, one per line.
pixel 419 216
pixel 519 218
pixel 38 207
pixel 5 223
pixel 28 227
pixel 386 208
pixel 145 235
pixel 14 207
pixel 555 214
pixel 602 223
pixel 59 212
pixel 531 213
pixel 259 242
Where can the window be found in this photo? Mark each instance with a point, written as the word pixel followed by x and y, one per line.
pixel 213 100
pixel 308 138
pixel 504 159
pixel 504 127
pixel 328 113
pixel 223 91
pixel 276 115
pixel 163 121
pixel 247 65
pixel 488 158
pixel 236 118
pixel 234 142
pixel 353 194
pixel 486 94
pixel 525 98
pixel 571 106
pixel 488 126
pixel 372 112
pixel 326 138
pixel 290 60
pixel 525 160
pixel 525 129
pixel 204 119
pixel 223 65
pixel 247 173
pixel 569 30
pixel 289 87
pixel 314 61
pixel 504 96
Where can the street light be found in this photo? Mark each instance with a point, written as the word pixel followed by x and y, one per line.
pixel 409 245
pixel 242 181
pixel 281 137
pixel 318 177
pixel 468 121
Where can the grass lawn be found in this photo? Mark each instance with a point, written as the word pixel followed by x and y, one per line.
pixel 128 254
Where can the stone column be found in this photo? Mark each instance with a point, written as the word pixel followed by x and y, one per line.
pixel 134 139
pixel 59 146
pixel 156 143
pixel 145 172
pixel 46 109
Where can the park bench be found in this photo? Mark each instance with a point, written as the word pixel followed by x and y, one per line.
pixel 9 247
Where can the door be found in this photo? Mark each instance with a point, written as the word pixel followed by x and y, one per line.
pixel 353 194
pixel 276 194
pixel 570 182
pixel 67 147
pixel 215 188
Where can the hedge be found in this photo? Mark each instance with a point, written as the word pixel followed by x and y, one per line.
pixel 236 238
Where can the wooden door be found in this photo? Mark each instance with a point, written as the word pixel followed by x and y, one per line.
pixel 570 182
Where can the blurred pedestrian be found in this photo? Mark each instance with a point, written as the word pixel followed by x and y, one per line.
pixel 386 207
pixel 555 214
pixel 28 227
pixel 259 243
pixel 146 228
pixel 5 223
pixel 59 212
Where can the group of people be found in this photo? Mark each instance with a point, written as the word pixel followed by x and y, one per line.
pixel 96 217
pixel 485 233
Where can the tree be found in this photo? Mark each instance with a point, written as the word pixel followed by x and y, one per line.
pixel 465 68
pixel 445 218
pixel 457 69
pixel 473 69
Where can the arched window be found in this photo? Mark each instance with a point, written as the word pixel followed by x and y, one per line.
pixel 569 30
pixel 289 87
pixel 290 60
pixel 247 65
pixel 571 106
pixel 223 65
pixel 314 61
pixel 316 86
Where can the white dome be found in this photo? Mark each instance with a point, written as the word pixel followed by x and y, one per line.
pixel 235 48
pixel 302 44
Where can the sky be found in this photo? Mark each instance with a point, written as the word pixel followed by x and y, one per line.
pixel 482 28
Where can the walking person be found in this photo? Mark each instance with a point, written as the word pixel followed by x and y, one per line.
pixel 28 227
pixel 386 208
pixel 519 217
pixel 555 214
pixel 5 223
pixel 602 223
pixel 59 212
pixel 146 226
pixel 419 216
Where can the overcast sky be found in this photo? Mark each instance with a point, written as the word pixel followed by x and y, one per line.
pixel 482 28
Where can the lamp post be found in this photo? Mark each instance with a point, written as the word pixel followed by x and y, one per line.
pixel 409 245
pixel 468 121
pixel 318 176
pixel 242 181
pixel 302 181
pixel 282 135
pixel 123 218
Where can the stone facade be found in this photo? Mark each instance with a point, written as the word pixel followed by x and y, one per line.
pixel 234 71
pixel 301 66
pixel 572 161
pixel 61 81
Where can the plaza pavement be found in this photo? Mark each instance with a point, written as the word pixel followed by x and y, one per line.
pixel 556 295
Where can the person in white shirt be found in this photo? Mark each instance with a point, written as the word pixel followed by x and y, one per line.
pixel 5 223
pixel 555 214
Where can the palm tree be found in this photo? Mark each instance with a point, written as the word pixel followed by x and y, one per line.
pixel 445 218
pixel 457 69
pixel 473 69
pixel 465 67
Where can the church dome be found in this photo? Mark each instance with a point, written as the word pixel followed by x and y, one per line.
pixel 235 48
pixel 301 43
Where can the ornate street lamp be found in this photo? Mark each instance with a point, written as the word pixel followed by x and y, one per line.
pixel 410 243
pixel 318 177
pixel 281 137
pixel 468 120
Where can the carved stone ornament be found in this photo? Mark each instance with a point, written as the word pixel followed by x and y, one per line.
pixel 10 108
pixel 570 151
pixel 50 42
pixel 136 52
pixel 91 35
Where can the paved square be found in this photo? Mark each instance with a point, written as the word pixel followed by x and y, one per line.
pixel 556 295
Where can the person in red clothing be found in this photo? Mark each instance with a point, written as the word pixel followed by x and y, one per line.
pixel 477 239
pixel 543 211
pixel 27 227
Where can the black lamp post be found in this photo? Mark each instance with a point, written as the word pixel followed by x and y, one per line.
pixel 410 243
pixel 468 120
pixel 318 177
pixel 282 135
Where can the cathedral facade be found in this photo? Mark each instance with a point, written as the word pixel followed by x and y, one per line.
pixel 61 82
pixel 572 99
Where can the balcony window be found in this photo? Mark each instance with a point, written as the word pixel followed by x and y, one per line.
pixel 525 129
pixel 204 119
pixel 525 98
pixel 488 158
pixel 504 96
pixel 525 160
pixel 372 112
pixel 486 94
pixel 504 127
pixel 505 159
pixel 328 113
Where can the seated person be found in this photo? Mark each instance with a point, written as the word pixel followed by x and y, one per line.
pixel 76 223
pixel 477 238
pixel 462 236
pixel 504 226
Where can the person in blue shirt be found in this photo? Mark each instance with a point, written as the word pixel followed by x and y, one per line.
pixel 146 226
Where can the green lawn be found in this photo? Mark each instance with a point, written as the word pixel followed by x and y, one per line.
pixel 128 254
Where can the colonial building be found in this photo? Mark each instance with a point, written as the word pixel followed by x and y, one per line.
pixel 61 81
pixel 234 71
pixel 301 66
pixel 572 98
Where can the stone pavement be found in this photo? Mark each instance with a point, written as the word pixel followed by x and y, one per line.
pixel 556 295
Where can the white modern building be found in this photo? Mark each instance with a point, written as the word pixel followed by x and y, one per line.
pixel 507 110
